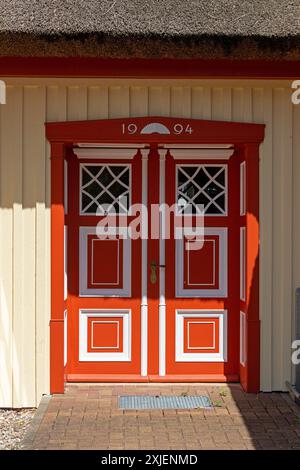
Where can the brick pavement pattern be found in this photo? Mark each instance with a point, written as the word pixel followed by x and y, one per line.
pixel 87 417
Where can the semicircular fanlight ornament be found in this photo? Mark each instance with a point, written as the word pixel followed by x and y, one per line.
pixel 155 128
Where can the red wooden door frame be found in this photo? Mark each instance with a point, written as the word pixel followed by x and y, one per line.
pixel 244 136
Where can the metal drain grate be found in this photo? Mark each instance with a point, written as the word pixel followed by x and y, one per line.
pixel 144 402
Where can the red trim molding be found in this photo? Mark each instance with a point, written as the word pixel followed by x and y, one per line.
pixel 121 131
pixel 152 378
pixel 147 68
pixel 252 368
pixel 57 269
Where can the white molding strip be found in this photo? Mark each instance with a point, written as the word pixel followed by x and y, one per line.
pixel 65 337
pixel 197 146
pixel 193 153
pixel 107 145
pixel 243 339
pixel 66 187
pixel 243 188
pixel 106 153
pixel 243 263
pixel 128 151
pixel 65 262
pixel 144 265
pixel 220 356
pixel 162 260
pixel 84 355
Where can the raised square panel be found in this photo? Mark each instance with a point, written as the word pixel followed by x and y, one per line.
pixel 104 264
pixel 105 335
pixel 108 253
pixel 201 336
pixel 207 259
pixel 202 272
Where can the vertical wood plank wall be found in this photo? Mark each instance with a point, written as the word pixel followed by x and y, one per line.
pixel 25 200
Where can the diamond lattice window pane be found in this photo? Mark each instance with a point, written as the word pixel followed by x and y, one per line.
pixel 105 189
pixel 202 185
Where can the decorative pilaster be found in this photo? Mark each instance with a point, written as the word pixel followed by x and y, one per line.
pixel 57 269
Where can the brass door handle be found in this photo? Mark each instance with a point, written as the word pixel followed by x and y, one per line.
pixel 153 275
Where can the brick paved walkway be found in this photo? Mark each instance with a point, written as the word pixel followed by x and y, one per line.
pixel 87 417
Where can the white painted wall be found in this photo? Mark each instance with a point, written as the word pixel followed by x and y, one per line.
pixel 25 198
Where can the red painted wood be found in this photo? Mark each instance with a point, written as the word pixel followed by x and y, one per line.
pixel 205 378
pixel 77 302
pixel 153 255
pixel 203 331
pixel 106 378
pixel 57 269
pixel 207 259
pixel 147 68
pixel 252 268
pixel 230 303
pixel 108 253
pixel 151 378
pixel 111 131
pixel 106 334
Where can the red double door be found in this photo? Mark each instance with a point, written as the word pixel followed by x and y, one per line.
pixel 142 302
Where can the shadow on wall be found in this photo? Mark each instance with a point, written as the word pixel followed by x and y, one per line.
pixel 24 262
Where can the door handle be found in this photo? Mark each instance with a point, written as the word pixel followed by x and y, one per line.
pixel 153 267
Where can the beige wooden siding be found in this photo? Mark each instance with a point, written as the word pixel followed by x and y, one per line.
pixel 25 198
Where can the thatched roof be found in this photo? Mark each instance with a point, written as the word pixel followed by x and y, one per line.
pixel 63 26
